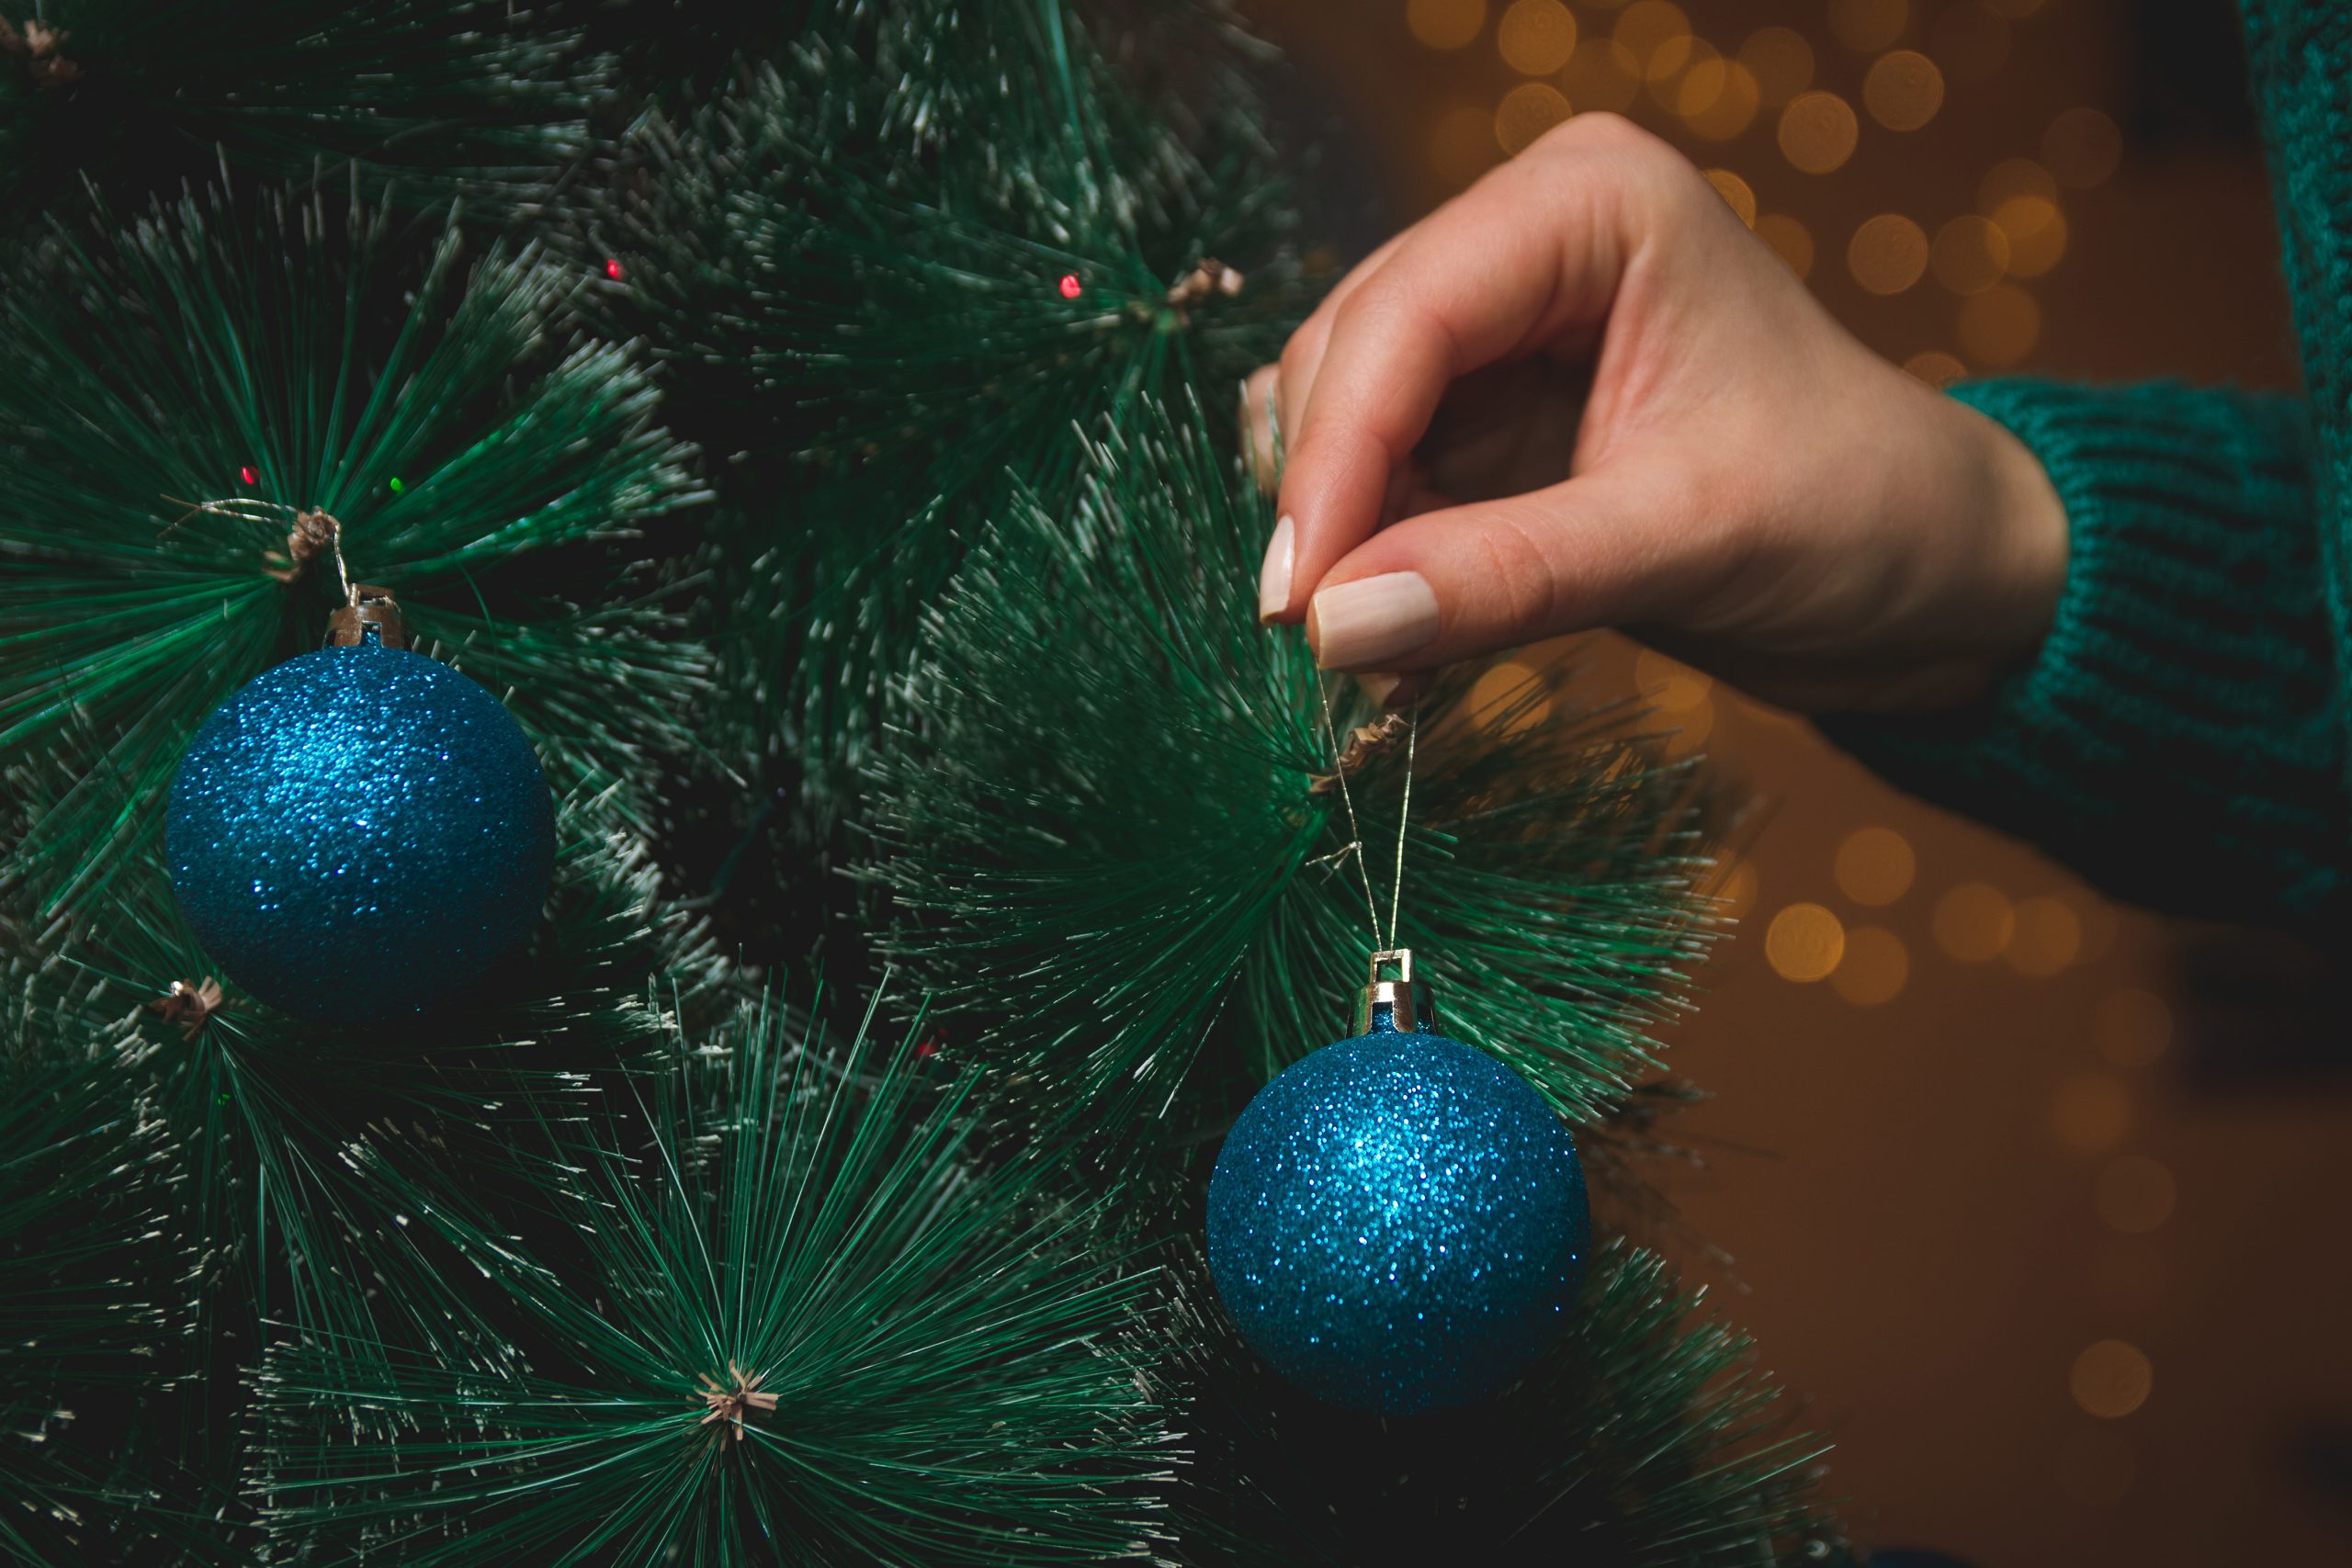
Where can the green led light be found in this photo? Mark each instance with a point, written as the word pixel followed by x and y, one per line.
pixel 397 486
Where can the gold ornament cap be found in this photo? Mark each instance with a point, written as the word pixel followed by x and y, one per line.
pixel 1410 1011
pixel 370 617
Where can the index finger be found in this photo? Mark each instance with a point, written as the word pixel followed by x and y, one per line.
pixel 1531 252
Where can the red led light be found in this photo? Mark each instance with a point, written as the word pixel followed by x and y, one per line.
pixel 613 268
pixel 249 474
pixel 1071 288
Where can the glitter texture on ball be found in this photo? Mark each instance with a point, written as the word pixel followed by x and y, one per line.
pixel 1397 1223
pixel 360 834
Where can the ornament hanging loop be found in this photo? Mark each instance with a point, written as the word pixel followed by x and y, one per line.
pixel 371 616
pixel 1409 1009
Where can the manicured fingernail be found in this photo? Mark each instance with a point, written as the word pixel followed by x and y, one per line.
pixel 1373 619
pixel 1378 686
pixel 1273 578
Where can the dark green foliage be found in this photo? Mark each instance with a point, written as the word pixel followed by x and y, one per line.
pixel 1104 823
pixel 1647 1439
pixel 946 1347
pixel 141 96
pixel 148 367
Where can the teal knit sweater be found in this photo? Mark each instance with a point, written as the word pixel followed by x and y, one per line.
pixel 2181 737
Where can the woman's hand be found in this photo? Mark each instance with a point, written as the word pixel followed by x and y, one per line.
pixel 1582 394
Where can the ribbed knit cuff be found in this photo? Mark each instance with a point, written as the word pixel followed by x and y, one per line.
pixel 2177 738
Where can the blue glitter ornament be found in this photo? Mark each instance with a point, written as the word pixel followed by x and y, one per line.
pixel 1396 1224
pixel 360 834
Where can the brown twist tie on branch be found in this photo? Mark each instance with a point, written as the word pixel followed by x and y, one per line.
pixel 37 46
pixel 314 535
pixel 728 1405
pixel 1364 742
pixel 189 1004
pixel 1211 276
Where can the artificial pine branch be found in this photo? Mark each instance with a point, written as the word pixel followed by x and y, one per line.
pixel 143 96
pixel 803 1326
pixel 1109 820
pixel 216 417
pixel 1646 1439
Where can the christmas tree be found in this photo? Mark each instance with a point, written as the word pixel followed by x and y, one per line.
pixel 698 1027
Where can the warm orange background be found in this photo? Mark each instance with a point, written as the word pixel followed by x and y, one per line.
pixel 2048 1241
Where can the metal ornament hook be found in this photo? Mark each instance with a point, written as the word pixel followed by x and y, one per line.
pixel 1406 1001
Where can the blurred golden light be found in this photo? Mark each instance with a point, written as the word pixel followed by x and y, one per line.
pixel 1936 368
pixel 1536 36
pixel 2048 938
pixel 1973 922
pixel 1603 75
pixel 1692 727
pixel 1729 107
pixel 2082 148
pixel 2096 1466
pixel 1651 26
pixel 2131 1028
pixel 2090 1112
pixel 1669 684
pixel 1817 132
pixel 1998 327
pixel 1888 253
pixel 1791 238
pixel 1445 24
pixel 1461 143
pixel 2037 234
pixel 1971 40
pixel 1526 112
pixel 1874 866
pixel 1735 890
pixel 1736 191
pixel 1805 942
pixel 2136 1194
pixel 1970 255
pixel 2014 177
pixel 1508 699
pixel 1874 968
pixel 1781 61
pixel 2112 1378
pixel 1868 26
pixel 1673 68
pixel 1904 90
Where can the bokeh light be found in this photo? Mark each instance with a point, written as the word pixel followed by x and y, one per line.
pixel 2082 148
pixel 1526 112
pixel 1603 75
pixel 2134 1194
pixel 1508 698
pixel 1817 132
pixel 2014 177
pixel 2131 1028
pixel 2112 1378
pixel 1656 34
pixel 2036 231
pixel 1536 38
pixel 1904 90
pixel 1888 253
pixel 1692 727
pixel 1675 77
pixel 1868 26
pixel 2048 937
pixel 1782 62
pixel 1970 255
pixel 1461 143
pixel 1445 24
pixel 1668 685
pixel 2089 1112
pixel 1805 942
pixel 1874 866
pixel 1874 967
pixel 1734 890
pixel 1998 327
pixel 1789 238
pixel 1973 922
pixel 1736 192
pixel 1718 99
pixel 1936 368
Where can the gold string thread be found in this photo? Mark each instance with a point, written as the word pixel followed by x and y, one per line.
pixel 1365 742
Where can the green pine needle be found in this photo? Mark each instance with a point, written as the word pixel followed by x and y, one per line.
pixel 1102 823
pixel 150 369
pixel 802 1327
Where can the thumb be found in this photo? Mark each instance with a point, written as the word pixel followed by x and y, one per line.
pixel 1601 549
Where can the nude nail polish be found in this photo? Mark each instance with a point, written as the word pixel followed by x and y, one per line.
pixel 1273 578
pixel 1373 620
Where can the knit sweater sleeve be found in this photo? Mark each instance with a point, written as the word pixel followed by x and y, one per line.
pixel 2179 737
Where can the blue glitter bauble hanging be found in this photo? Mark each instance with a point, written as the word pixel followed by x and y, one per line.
pixel 1396 1224
pixel 359 834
